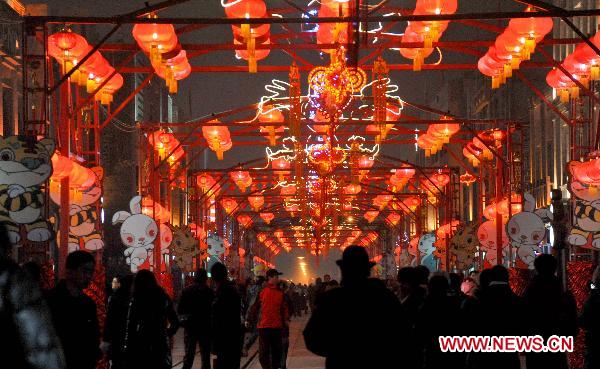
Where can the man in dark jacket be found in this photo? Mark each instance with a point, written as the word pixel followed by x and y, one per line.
pixel 27 338
pixel 194 311
pixel 490 315
pixel 226 320
pixel 350 325
pixel 74 313
pixel 590 322
pixel 554 312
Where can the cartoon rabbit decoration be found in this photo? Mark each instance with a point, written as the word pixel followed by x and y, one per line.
pixel 526 230
pixel 487 236
pixel 138 233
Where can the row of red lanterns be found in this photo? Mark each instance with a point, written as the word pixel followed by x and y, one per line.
pixel 249 34
pixel 165 143
pixel 478 150
pixel 155 210
pixel 583 64
pixel 426 32
pixel 160 42
pixel 69 48
pixel 80 177
pixel 333 33
pixel 436 136
pixel 515 44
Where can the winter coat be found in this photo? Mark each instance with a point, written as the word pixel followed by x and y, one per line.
pixel 226 320
pixel 554 312
pixel 496 311
pixel 114 327
pixel 28 339
pixel 151 322
pixel 76 322
pixel 350 326
pixel 194 309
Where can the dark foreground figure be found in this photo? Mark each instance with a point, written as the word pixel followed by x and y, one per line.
pixel 356 325
pixel 27 338
pixel 74 313
pixel 227 325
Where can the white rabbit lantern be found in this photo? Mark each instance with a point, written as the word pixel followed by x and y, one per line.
pixel 526 231
pixel 138 233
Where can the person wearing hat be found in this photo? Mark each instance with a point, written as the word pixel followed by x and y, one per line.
pixel 272 314
pixel 350 324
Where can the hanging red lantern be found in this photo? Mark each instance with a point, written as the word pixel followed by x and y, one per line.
pixel 155 38
pixel 352 189
pixel 218 139
pixel 205 181
pixel 229 204
pixel 262 237
pixel 244 220
pixel 288 190
pixel 267 217
pixel 532 29
pixel 242 179
pixel 256 201
pixel 371 215
pixel 467 179
pixel 447 229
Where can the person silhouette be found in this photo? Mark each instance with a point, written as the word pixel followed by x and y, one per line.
pixel 226 320
pixel 350 324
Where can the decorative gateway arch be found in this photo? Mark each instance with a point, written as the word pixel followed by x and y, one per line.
pixel 327 179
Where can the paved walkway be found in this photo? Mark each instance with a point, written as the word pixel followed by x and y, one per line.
pixel 298 356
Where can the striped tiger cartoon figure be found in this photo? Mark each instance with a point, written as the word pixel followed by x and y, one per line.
pixel 586 221
pixel 24 167
pixel 83 217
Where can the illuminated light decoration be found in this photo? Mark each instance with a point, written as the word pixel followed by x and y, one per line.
pixel 106 94
pixel 532 30
pixel 80 177
pixel 288 190
pixel 467 179
pixel 587 172
pixel 417 55
pixel 229 204
pixel 205 182
pixel 244 220
pixel 584 54
pixel 242 179
pixel 407 205
pixel 267 217
pixel 486 153
pixel 218 138
pixel 172 67
pixel 333 33
pixel 393 218
pixel 446 230
pixel 496 67
pixel 281 167
pixel 262 237
pixel 292 208
pixel 431 31
pixel 352 189
pixel 256 202
pixel 443 131
pixel 67 47
pixel 427 143
pixel 401 177
pixel 246 33
pixel 371 215
pixel 155 210
pixel 331 87
pixel 154 38
pixel 381 201
pixel 325 157
pixel 490 212
pixel 270 114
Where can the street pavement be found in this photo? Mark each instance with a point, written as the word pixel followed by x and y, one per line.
pixel 298 356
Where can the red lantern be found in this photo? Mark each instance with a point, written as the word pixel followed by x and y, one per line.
pixel 531 29
pixel 218 139
pixel 262 237
pixel 229 204
pixel 242 179
pixel 394 218
pixel 244 220
pixel 267 217
pixel 447 229
pixel 352 189
pixel 467 179
pixel 205 181
pixel 371 215
pixel 155 38
pixel 256 201
pixel 245 9
pixel 288 190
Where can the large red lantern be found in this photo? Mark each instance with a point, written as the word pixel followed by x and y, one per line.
pixel 155 38
pixel 393 218
pixel 371 215
pixel 256 201
pixel 218 139
pixel 242 179
pixel 229 204
pixel 352 189
pixel 447 229
pixel 267 217
pixel 244 220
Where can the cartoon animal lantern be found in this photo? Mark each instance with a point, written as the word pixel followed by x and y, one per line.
pixel 526 230
pixel 586 192
pixel 487 236
pixel 463 246
pixel 25 165
pixel 138 232
pixel 83 217
pixel 216 247
pixel 426 248
pixel 185 247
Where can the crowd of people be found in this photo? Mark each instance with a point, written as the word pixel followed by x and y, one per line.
pixel 361 322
